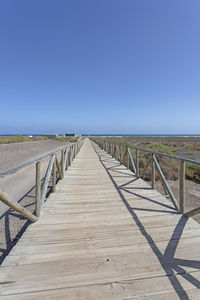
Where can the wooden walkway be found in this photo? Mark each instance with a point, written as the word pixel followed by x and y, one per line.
pixel 104 234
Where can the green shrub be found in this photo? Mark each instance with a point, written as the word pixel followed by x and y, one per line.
pixel 192 172
pixel 160 148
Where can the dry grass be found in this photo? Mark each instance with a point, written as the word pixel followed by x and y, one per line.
pixel 66 139
pixel 20 138
pixel 170 167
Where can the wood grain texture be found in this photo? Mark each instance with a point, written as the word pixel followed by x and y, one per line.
pixel 104 234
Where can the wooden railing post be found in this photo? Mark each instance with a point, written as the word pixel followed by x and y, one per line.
pixel 38 189
pixel 121 154
pixel 137 163
pixel 153 173
pixel 71 154
pixel 62 163
pixel 54 177
pixel 114 150
pixel 67 159
pixel 127 157
pixel 118 153
pixel 74 152
pixel 182 186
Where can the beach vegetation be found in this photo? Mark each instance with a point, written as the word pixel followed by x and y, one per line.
pixel 20 139
pixel 66 139
pixel 192 171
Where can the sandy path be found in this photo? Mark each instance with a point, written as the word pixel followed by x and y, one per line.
pixel 13 155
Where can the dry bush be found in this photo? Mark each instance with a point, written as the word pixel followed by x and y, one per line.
pixel 170 168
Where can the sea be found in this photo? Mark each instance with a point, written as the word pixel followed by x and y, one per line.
pixel 143 135
pixel 113 135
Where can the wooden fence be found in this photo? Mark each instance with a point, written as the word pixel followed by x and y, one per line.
pixel 55 171
pixel 122 153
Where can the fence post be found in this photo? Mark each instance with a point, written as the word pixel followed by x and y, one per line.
pixel 38 189
pixel 121 154
pixel 153 173
pixel 67 159
pixel 182 186
pixel 114 151
pixel 127 157
pixel 75 150
pixel 62 163
pixel 54 177
pixel 137 163
pixel 71 154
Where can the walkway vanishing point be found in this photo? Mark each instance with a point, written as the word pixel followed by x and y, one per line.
pixel 104 234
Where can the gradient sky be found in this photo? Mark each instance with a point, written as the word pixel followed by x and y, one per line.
pixel 100 66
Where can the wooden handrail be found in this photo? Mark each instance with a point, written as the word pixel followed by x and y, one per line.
pixel 154 164
pixel 5 198
pixel 153 152
pixel 32 162
pixel 67 152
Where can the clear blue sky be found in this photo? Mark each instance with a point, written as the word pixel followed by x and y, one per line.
pixel 100 66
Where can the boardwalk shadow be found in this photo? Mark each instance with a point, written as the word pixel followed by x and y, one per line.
pixel 13 225
pixel 171 265
pixel 12 233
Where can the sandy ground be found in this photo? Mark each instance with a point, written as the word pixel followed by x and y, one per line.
pixel 20 186
pixel 13 155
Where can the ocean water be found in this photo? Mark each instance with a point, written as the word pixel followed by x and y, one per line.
pixel 143 135
pixel 116 135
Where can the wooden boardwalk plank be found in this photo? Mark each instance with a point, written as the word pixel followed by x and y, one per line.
pixel 104 234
